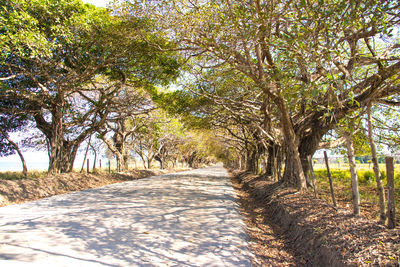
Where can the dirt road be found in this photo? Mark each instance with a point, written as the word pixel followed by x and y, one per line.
pixel 184 219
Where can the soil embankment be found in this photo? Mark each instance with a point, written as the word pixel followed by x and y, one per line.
pixel 19 191
pixel 317 233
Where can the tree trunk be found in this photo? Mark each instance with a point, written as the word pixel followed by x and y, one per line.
pixel 21 156
pixel 293 174
pixel 374 159
pixel 62 152
pixel 391 205
pixel 95 157
pixel 58 146
pixel 125 158
pixel 309 143
pixel 354 179
pixel 86 152
pixel 270 162
pixel 328 171
pixel 251 161
pixel 120 161
pixel 62 157
pixel 312 174
pixel 161 165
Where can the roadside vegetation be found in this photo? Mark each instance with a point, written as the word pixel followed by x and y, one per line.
pixel 369 199
pixel 9 175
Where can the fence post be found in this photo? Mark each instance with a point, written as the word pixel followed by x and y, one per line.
pixel 87 165
pixel 109 166
pixel 391 210
pixel 314 184
pixel 330 179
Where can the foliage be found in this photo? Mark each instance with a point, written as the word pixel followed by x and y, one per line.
pixel 68 70
pixel 387 125
pixel 9 123
pixel 312 63
pixel 366 177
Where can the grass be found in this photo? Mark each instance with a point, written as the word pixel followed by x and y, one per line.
pixel 8 175
pixel 367 188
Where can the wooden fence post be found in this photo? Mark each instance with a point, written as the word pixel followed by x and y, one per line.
pixel 330 179
pixel 109 166
pixel 87 167
pixel 391 210
pixel 314 184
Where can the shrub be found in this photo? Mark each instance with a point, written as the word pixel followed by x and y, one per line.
pixel 341 175
pixel 366 176
pixel 337 174
pixel 383 176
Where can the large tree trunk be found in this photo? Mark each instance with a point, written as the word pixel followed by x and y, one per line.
pixel 270 162
pixel 62 152
pixel 273 161
pixel 159 158
pixel 58 147
pixel 353 172
pixel 251 161
pixel 307 147
pixel 374 159
pixel 63 158
pixel 240 161
pixel 293 174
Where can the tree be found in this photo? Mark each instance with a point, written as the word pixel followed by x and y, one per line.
pixel 314 61
pixel 348 134
pixel 60 58
pixel 157 137
pixel 9 123
pixel 171 136
pixel 122 123
pixel 374 159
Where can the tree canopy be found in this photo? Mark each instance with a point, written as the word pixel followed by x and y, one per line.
pixel 71 63
pixel 311 62
pixel 269 78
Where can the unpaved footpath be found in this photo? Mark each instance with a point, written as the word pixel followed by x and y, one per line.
pixel 183 219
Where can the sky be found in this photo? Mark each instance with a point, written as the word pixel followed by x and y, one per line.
pixel 98 3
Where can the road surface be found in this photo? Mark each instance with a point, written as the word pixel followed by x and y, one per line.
pixel 183 219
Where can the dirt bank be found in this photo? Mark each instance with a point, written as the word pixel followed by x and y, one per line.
pixel 18 191
pixel 313 229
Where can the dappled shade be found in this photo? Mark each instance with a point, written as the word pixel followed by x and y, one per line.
pixel 188 219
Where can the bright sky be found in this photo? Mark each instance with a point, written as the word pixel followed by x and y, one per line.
pixel 98 3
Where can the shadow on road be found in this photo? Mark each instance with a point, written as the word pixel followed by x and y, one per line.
pixel 188 219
